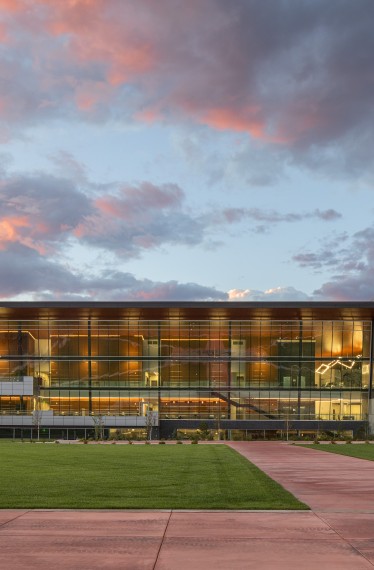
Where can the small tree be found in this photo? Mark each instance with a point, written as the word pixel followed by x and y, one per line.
pixel 37 412
pixel 150 421
pixel 99 425
pixel 36 421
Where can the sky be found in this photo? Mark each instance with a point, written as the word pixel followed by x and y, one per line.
pixel 181 150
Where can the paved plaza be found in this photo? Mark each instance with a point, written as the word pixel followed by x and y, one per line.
pixel 338 533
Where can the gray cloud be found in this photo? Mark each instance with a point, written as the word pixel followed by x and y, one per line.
pixel 351 263
pixel 293 74
pixel 232 215
pixel 138 218
pixel 25 271
pixel 40 210
pixel 119 286
pixel 334 251
pixel 348 288
pixel 50 212
pixel 47 212
pixel 315 260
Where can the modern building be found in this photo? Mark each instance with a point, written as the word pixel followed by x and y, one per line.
pixel 239 367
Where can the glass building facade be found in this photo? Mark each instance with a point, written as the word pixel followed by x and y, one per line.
pixel 232 365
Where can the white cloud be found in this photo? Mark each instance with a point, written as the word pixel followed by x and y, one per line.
pixel 274 294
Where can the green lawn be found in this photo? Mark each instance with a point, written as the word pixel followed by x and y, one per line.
pixel 359 450
pixel 134 476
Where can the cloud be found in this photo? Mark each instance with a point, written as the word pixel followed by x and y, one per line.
pixel 353 278
pixel 341 253
pixel 11 5
pixel 66 166
pixel 294 75
pixel 47 212
pixel 25 271
pixel 232 215
pixel 43 215
pixel 274 294
pixel 326 215
pixel 50 212
pixel 141 218
pixel 350 260
pixel 348 287
pixel 39 210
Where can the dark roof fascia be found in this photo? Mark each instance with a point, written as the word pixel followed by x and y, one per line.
pixel 157 310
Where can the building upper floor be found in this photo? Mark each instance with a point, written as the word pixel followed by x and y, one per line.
pixel 170 330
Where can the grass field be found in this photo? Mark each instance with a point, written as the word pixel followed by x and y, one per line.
pixel 134 476
pixel 359 450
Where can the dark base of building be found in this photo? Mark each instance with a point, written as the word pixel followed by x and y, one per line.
pixel 170 429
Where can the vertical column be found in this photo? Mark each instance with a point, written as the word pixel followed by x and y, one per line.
pixel 19 350
pixel 229 372
pixel 89 356
pixel 159 374
pixel 371 360
pixel 299 387
pixel 370 392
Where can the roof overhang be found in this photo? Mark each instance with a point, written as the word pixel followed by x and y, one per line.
pixel 188 310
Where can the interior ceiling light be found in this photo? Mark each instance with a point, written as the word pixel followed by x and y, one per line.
pixel 325 367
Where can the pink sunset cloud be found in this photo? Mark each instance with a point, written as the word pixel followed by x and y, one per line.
pixel 102 32
pixel 228 119
pixel 9 229
pixel 11 5
pixel 132 202
pixel 229 66
pixel 22 230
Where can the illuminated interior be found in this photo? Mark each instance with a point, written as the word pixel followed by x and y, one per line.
pixel 216 369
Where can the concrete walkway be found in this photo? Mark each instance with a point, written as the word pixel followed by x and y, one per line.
pixel 324 481
pixel 337 534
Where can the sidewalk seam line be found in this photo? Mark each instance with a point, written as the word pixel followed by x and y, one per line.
pixel 344 539
pixel 14 519
pixel 162 541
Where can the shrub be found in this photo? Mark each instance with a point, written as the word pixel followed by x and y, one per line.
pixel 162 441
pixel 316 441
pixel 333 441
pixel 195 441
pixel 203 431
pixel 179 442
